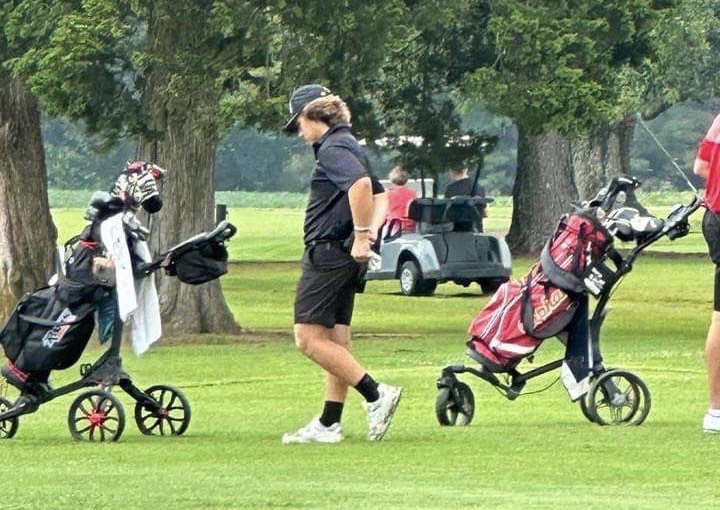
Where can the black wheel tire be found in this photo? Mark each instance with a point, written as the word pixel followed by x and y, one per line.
pixel 9 426
pixel 618 397
pixel 96 415
pixel 173 419
pixel 427 287
pixel 490 285
pixel 412 283
pixel 410 278
pixel 455 406
pixel 585 408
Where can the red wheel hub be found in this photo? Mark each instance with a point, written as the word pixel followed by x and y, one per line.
pixel 97 418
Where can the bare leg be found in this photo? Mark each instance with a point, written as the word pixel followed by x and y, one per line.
pixel 712 360
pixel 335 388
pixel 320 345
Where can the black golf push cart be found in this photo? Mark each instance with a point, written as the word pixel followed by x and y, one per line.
pixel 611 396
pixel 51 326
pixel 97 414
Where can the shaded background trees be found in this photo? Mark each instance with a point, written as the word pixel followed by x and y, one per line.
pixel 202 86
pixel 572 76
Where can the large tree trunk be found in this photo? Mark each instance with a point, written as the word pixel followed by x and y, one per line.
pixel 602 154
pixel 27 233
pixel 544 190
pixel 184 143
pixel 554 171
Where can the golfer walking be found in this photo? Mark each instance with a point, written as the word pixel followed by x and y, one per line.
pixel 346 208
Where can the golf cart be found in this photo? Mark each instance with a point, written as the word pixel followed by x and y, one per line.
pixel 448 244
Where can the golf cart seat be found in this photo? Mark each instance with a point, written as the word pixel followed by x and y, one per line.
pixel 429 214
pixel 459 214
pixel 467 213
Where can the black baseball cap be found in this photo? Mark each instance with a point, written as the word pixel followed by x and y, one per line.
pixel 300 99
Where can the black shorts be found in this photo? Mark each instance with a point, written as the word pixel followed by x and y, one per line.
pixel 326 290
pixel 711 232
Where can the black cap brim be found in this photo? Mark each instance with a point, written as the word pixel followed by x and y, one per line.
pixel 291 125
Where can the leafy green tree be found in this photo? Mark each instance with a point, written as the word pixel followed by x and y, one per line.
pixel 157 71
pixel 440 44
pixel 571 75
pixel 178 74
pixel 679 129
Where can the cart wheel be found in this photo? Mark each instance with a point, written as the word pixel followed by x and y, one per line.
pixel 585 408
pixel 618 397
pixel 8 426
pixel 455 405
pixel 96 415
pixel 412 282
pixel 173 417
pixel 585 400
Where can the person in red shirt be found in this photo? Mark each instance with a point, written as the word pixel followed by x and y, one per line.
pixel 399 198
pixel 707 166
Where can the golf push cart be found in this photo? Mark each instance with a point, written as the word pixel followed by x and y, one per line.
pixel 448 244
pixel 613 396
pixel 51 326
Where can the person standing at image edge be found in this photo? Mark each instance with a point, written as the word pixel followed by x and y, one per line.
pixel 346 208
pixel 707 166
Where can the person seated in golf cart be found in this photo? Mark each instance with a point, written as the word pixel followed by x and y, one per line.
pixel 461 184
pixel 399 198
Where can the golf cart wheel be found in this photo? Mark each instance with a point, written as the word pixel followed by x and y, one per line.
pixel 8 426
pixel 490 285
pixel 171 418
pixel 455 405
pixel 412 283
pixel 96 415
pixel 618 397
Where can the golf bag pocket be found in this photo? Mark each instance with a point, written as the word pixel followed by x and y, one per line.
pixel 44 333
pixel 200 264
pixel 87 273
pixel 519 316
pixel 578 240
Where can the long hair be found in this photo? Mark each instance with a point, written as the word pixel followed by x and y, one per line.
pixel 331 110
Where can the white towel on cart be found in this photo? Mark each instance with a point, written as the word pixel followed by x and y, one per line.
pixel 137 299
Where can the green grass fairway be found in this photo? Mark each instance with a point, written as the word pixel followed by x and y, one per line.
pixel 275 234
pixel 534 453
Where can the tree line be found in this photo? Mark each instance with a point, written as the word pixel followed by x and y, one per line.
pixel 567 79
pixel 251 160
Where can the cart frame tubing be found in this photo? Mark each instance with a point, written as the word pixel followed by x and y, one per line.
pixel 106 371
pixel 518 379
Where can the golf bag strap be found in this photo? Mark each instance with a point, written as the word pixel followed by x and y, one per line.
pixel 50 323
pixel 566 280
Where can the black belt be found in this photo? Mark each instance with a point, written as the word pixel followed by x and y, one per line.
pixel 321 242
pixel 328 244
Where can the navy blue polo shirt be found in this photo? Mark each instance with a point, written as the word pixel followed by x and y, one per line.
pixel 339 162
